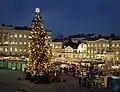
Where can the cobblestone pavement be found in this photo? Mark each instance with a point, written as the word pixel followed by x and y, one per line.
pixel 9 83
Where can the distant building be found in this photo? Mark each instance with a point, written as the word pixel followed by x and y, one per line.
pixel 97 47
pixel 15 40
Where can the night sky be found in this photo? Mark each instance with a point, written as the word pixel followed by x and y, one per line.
pixel 65 16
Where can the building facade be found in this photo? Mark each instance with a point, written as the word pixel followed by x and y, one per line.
pixel 14 41
pixel 105 48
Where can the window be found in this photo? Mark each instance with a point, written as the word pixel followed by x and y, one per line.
pixel 15 49
pixel 20 49
pixel 11 36
pixel 20 35
pixel 6 50
pixel 104 51
pixel 117 58
pixel 103 45
pixel 11 49
pixel 24 35
pixel 20 43
pixel 107 45
pixel 56 46
pixel 117 52
pixel 15 35
pixel 95 51
pixel 6 43
pixel 12 42
pixel 88 45
pixel 24 49
pixel 24 42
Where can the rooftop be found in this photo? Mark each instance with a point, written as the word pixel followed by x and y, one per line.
pixel 18 27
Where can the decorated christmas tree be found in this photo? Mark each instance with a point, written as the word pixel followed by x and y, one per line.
pixel 39 63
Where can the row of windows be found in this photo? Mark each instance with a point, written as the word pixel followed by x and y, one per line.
pixel 16 43
pixel 104 45
pixel 20 35
pixel 14 49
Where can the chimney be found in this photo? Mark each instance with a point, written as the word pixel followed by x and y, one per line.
pixel 3 25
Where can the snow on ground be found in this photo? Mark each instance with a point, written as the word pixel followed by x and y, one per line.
pixel 9 81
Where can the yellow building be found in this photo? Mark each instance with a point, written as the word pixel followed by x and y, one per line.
pixel 15 40
pixel 100 48
pixel 105 48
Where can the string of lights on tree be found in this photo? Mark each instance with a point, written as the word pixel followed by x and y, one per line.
pixel 39 62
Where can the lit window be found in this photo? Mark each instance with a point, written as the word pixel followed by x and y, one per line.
pixel 0 42
pixel 24 49
pixel 113 45
pixel 6 50
pixel 20 49
pixel 24 42
pixel 92 51
pixel 107 45
pixel 20 35
pixel 10 49
pixel 15 35
pixel 11 36
pixel 20 43
pixel 95 51
pixel 103 45
pixel 56 46
pixel 16 43
pixel 24 35
pixel 117 52
pixel 13 42
pixel 92 45
pixel 117 58
pixel 117 45
pixel 6 43
pixel 104 51
pixel 15 49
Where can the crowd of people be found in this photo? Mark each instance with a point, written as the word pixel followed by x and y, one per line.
pixel 85 78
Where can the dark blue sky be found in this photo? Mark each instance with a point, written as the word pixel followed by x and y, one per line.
pixel 65 16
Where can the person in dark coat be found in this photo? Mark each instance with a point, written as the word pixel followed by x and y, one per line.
pixel 79 80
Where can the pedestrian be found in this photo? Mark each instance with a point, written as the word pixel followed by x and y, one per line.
pixel 79 80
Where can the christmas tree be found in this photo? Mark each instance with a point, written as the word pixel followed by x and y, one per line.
pixel 39 50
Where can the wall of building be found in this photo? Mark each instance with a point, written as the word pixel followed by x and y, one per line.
pixel 16 41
